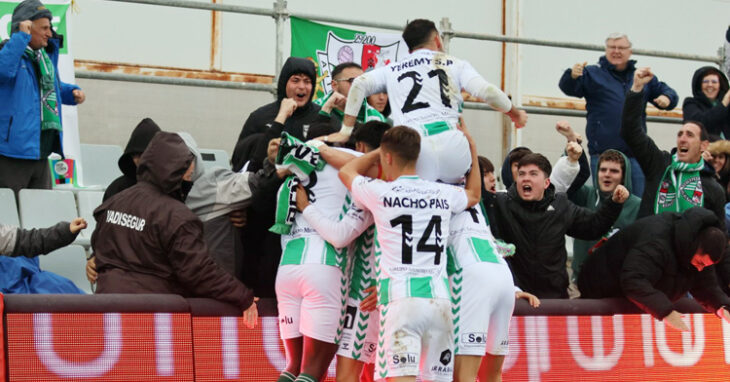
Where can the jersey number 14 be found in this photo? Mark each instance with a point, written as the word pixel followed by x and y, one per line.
pixel 433 228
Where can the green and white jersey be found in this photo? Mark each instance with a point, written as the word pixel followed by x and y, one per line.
pixel 412 221
pixel 471 241
pixel 367 113
pixel 355 232
pixel 303 245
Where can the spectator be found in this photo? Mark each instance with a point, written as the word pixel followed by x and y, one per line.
pixel 31 125
pixel 720 151
pixel 614 169
pixel 604 87
pixel 726 45
pixel 19 267
pixel 570 172
pixel 674 181
pixel 147 241
pixel 138 141
pixel 656 261
pixel 219 197
pixel 16 241
pixel 333 104
pixel 380 102
pixel 533 217
pixel 709 103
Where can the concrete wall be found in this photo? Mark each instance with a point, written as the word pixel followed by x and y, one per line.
pixel 152 35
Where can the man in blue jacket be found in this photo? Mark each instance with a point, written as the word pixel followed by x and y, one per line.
pixel 31 95
pixel 604 87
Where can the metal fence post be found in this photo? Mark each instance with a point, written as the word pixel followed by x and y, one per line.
pixel 281 14
pixel 446 33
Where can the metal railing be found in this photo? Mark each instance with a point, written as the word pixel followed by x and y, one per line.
pixel 280 13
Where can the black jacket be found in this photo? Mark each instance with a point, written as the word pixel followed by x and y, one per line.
pixel 649 263
pixel 698 108
pixel 264 116
pixel 653 162
pixel 261 120
pixel 538 231
pixel 147 241
pixel 138 141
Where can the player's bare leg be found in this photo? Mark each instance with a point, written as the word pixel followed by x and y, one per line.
pixel 348 369
pixel 317 356
pixel 491 368
pixel 293 351
pixel 466 368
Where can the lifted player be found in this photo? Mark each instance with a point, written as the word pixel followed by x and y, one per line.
pixel 412 222
pixel 424 91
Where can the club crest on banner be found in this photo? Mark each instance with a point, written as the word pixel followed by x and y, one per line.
pixel 368 50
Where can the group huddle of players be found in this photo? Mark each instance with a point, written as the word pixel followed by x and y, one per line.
pixel 411 234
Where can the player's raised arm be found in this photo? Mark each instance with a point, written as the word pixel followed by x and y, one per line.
pixel 473 183
pixel 496 98
pixel 358 166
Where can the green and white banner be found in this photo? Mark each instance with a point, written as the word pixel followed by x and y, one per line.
pixel 328 46
pixel 61 9
pixel 59 18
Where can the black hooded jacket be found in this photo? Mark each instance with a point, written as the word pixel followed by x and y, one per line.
pixel 138 141
pixel 147 241
pixel 714 115
pixel 261 120
pixel 649 263
pixel 538 229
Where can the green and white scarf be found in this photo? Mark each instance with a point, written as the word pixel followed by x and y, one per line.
pixel 50 118
pixel 680 187
pixel 301 159
pixel 367 113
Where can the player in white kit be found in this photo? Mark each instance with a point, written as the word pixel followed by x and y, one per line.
pixel 424 91
pixel 309 284
pixel 412 222
pixel 358 332
pixel 483 295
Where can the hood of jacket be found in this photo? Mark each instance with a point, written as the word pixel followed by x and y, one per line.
pixel 626 181
pixel 292 66
pixel 697 83
pixel 138 141
pixel 686 227
pixel 165 161
pixel 506 172
pixel 193 147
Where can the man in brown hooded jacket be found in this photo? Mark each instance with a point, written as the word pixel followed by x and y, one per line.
pixel 147 241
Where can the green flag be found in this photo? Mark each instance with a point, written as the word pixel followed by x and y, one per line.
pixel 328 46
pixel 58 22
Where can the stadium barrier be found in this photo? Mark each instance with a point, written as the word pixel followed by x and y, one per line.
pixel 169 338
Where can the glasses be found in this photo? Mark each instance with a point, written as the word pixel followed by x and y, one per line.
pixel 617 47
pixel 350 80
pixel 710 81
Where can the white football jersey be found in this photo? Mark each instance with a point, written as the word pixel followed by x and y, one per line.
pixel 412 222
pixel 424 89
pixel 471 241
pixel 302 245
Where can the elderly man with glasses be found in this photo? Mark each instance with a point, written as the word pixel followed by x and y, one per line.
pixel 604 87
